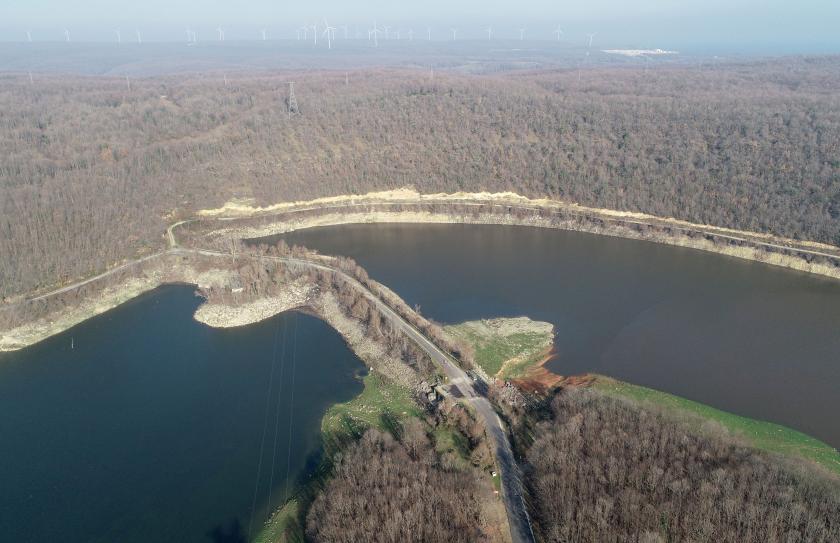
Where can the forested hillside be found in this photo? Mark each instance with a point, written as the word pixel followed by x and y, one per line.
pixel 603 470
pixel 92 171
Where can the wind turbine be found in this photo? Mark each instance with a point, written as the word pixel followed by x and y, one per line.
pixel 398 34
pixel 454 34
pixel 119 36
pixel 221 32
pixel 263 34
pixel 66 35
pixel 139 39
pixel 590 39
pixel 29 36
pixel 328 31
pixel 375 33
pixel 558 32
pixel 489 30
pixel 410 35
pixel 521 34
pixel 429 33
pixel 387 32
pixel 314 28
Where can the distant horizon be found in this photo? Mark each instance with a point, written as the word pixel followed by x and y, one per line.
pixel 239 36
pixel 750 26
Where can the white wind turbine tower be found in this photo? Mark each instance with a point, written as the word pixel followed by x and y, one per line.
pixel 454 34
pixel 558 32
pixel 387 32
pixel 263 34
pixel 66 35
pixel 314 28
pixel 591 36
pixel 221 32
pixel 398 34
pixel 489 30
pixel 375 33
pixel 410 35
pixel 29 36
pixel 328 31
pixel 429 33
pixel 139 39
pixel 119 36
pixel 521 34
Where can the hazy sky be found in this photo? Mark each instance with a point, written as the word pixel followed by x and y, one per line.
pixel 788 25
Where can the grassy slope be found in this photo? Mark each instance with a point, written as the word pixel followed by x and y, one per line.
pixel 379 397
pixel 381 404
pixel 766 436
pixel 283 525
pixel 492 351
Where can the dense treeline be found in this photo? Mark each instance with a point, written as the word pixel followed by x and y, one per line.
pixel 92 172
pixel 430 329
pixel 600 469
pixel 397 491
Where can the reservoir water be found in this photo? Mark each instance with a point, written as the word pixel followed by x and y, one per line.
pixel 753 339
pixel 151 427
pixel 143 425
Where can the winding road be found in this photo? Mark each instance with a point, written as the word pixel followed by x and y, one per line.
pixel 511 478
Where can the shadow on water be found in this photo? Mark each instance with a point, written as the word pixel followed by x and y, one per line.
pixel 232 533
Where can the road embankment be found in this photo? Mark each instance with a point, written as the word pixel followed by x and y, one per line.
pixel 241 220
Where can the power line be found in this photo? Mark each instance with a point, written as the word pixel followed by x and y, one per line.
pixel 265 428
pixel 291 405
pixel 277 415
pixel 293 105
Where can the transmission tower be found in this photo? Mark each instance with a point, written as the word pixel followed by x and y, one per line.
pixel 292 102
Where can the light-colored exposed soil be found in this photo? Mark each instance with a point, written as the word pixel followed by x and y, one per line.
pixel 244 208
pixel 340 210
pixel 506 348
pixel 297 294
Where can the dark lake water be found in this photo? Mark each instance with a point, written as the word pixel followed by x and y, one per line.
pixel 152 427
pixel 752 339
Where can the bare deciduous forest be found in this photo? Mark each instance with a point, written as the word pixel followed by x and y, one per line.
pixel 600 469
pixel 92 171
pixel 389 490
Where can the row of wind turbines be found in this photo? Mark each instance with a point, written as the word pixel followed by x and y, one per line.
pixel 117 33
pixel 328 32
